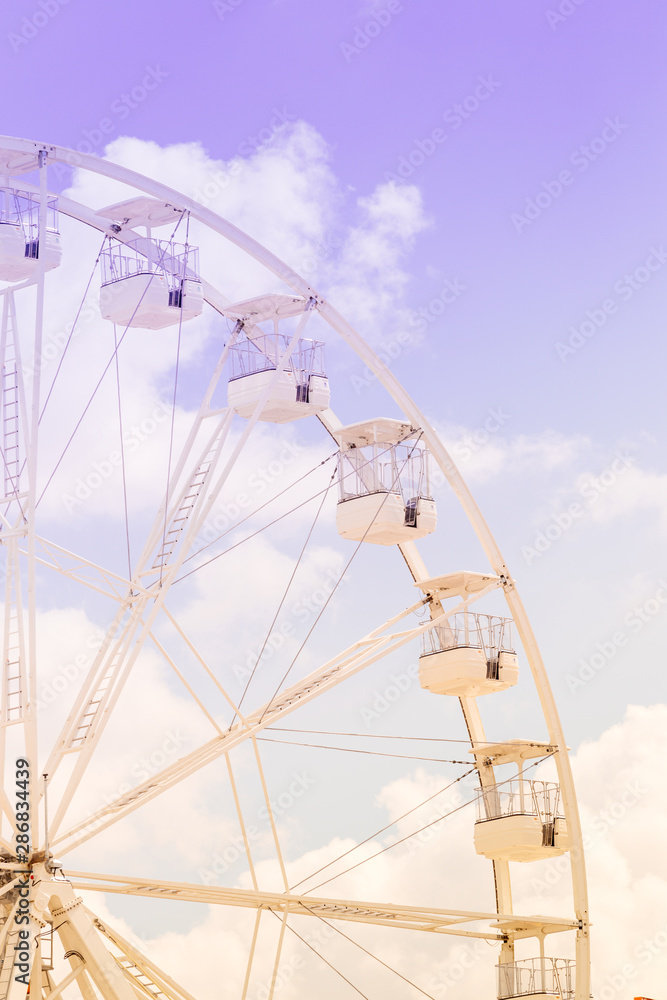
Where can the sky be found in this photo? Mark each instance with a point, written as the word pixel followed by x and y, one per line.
pixel 478 187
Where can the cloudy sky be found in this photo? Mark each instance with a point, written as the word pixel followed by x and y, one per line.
pixel 478 188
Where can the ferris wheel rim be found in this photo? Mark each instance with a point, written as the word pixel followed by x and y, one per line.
pixel 411 411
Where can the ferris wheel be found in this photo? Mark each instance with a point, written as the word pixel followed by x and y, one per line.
pixel 267 372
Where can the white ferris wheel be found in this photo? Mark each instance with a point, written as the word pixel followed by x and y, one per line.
pixel 267 370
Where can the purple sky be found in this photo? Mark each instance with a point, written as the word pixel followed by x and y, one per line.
pixel 557 84
pixel 556 81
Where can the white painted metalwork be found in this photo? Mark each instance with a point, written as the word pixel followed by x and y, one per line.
pixel 141 211
pixel 101 962
pixel 362 653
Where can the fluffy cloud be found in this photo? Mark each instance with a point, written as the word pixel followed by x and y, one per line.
pixel 638 490
pixel 622 801
pixel 485 452
pixel 286 196
pixel 367 280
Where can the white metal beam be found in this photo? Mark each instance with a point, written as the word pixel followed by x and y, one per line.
pixel 82 570
pixel 435 920
pixel 361 654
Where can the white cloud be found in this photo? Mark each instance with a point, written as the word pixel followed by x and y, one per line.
pixel 483 454
pixel 367 280
pixel 637 490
